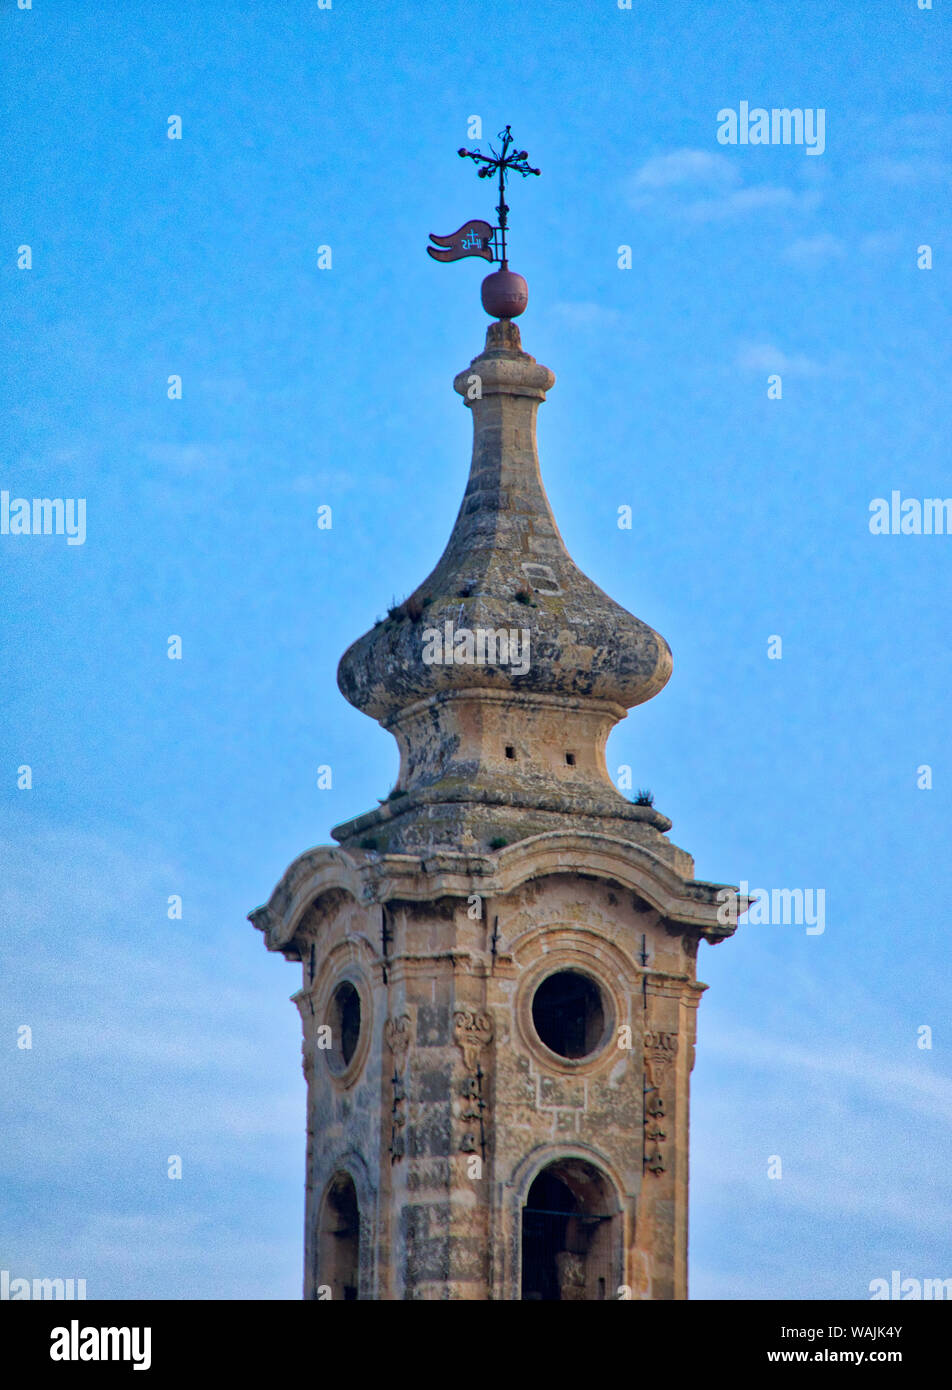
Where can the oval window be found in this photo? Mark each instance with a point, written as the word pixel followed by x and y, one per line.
pixel 345 1026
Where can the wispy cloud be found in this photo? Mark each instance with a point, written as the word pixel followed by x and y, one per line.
pixel 686 167
pixel 820 1106
pixel 707 187
pixel 814 251
pixel 762 197
pixel 140 1049
pixel 916 1088
pixel 882 243
pixel 767 357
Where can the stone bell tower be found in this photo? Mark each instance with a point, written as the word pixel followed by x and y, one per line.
pixel 499 989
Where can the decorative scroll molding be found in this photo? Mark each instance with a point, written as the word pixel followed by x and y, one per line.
pixel 396 1032
pixel 370 877
pixel 661 1050
pixel 472 1032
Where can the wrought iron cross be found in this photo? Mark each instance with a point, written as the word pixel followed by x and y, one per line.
pixel 504 163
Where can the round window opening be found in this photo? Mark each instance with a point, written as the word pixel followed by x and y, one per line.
pixel 568 1014
pixel 345 1026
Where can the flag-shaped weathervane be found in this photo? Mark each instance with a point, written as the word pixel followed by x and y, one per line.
pixel 477 238
pixel 474 238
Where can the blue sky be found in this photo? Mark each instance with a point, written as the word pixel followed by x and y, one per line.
pixel 304 127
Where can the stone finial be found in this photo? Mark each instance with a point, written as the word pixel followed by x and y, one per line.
pixel 504 671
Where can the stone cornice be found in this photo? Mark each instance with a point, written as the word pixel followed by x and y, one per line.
pixel 372 878
pixel 590 806
pixel 516 698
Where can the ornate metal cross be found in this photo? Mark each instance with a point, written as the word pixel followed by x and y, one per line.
pixel 473 238
pixel 504 163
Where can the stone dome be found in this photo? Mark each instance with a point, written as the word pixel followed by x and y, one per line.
pixel 505 570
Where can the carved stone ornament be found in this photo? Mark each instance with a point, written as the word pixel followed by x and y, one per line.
pixel 396 1034
pixel 471 1033
pixel 654 1161
pixel 661 1049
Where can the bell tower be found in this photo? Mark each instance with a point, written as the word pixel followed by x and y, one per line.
pixel 499 985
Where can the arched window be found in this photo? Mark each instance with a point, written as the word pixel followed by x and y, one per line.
pixel 338 1252
pixel 570 1234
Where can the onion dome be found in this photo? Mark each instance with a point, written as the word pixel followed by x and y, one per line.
pixel 505 570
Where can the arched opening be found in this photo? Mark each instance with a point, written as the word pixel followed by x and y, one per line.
pixel 570 1235
pixel 345 1026
pixel 338 1254
pixel 568 1014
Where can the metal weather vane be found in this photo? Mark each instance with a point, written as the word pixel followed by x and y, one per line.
pixel 478 238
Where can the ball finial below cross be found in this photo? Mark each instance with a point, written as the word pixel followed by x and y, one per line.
pixel 505 294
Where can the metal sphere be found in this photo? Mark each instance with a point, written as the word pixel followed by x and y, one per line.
pixel 505 294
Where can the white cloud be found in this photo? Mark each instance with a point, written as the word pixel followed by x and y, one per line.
pixel 814 251
pixel 909 1087
pixel 829 1108
pixel 760 198
pixel 707 187
pixel 146 1042
pixel 882 243
pixel 686 167
pixel 766 357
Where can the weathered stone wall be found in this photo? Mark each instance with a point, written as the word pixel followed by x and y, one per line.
pixel 452 1104
pixel 344 1111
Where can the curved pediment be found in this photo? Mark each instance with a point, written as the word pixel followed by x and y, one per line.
pixel 370 878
